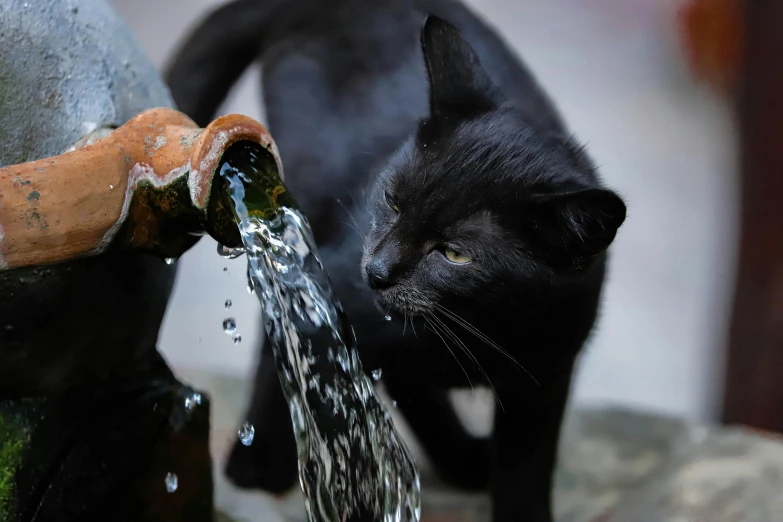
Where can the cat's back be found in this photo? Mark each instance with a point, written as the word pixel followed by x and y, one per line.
pixel 345 79
pixel 344 71
pixel 343 85
pixel 350 40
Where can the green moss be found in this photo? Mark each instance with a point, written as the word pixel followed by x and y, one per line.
pixel 13 441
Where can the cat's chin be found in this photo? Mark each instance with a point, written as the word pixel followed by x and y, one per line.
pixel 396 307
pixel 395 315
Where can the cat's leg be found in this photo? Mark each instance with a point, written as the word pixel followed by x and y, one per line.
pixel 524 448
pixel 269 463
pixel 461 460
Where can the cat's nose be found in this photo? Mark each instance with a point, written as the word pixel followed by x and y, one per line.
pixel 378 274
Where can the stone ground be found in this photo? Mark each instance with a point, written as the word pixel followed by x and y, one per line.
pixel 616 466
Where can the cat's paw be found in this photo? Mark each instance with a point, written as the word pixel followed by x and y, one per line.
pixel 264 467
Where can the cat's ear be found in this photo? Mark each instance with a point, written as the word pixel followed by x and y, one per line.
pixel 579 223
pixel 457 81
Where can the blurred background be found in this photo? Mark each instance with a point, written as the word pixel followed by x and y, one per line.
pixel 619 74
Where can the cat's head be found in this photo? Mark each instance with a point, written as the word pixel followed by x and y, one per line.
pixel 480 202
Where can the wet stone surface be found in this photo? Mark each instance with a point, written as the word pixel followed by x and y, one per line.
pixel 615 466
pixel 634 468
pixel 618 466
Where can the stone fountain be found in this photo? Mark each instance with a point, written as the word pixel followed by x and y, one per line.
pixel 102 185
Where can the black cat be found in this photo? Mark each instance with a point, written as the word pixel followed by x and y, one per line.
pixel 480 222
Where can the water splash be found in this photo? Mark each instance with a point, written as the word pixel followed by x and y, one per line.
pixel 192 401
pixel 228 252
pixel 172 482
pixel 353 465
pixel 246 434
pixel 237 339
pixel 229 304
pixel 251 289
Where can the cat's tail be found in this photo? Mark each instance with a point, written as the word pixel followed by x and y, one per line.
pixel 210 60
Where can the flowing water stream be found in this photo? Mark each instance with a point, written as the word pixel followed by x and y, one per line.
pixel 353 465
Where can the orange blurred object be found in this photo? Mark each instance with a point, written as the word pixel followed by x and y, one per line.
pixel 712 32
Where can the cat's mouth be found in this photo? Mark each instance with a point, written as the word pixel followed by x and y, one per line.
pixel 400 302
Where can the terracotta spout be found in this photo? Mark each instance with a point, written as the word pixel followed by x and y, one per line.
pixel 147 185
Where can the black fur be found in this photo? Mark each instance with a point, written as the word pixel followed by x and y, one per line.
pixel 471 161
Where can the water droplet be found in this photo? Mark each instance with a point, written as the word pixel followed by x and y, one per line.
pixel 172 482
pixel 228 304
pixel 251 290
pixel 394 404
pixel 169 260
pixel 228 252
pixel 225 269
pixel 246 434
pixel 229 326
pixel 192 401
pixel 376 374
pixel 111 187
pixel 237 339
pixel 387 317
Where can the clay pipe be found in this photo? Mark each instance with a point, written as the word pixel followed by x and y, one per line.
pixel 147 185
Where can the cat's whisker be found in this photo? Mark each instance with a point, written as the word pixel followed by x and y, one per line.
pixel 360 206
pixel 350 214
pixel 352 228
pixel 437 332
pixel 413 327
pixel 353 198
pixel 481 336
pixel 404 323
pixel 472 357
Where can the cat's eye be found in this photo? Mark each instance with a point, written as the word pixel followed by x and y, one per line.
pixel 392 203
pixel 458 258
